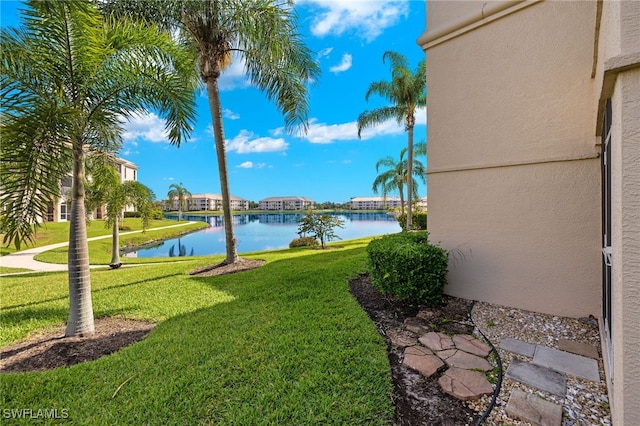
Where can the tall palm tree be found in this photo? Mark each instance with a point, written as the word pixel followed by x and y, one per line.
pixel 67 77
pixel 407 92
pixel 106 187
pixel 181 194
pixel 396 176
pixel 262 33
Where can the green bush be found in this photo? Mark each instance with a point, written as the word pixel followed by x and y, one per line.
pixel 419 221
pixel 124 228
pixel 131 214
pixel 303 242
pixel 157 214
pixel 406 266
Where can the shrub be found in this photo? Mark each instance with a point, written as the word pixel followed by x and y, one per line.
pixel 157 214
pixel 131 214
pixel 406 266
pixel 303 242
pixel 124 228
pixel 419 221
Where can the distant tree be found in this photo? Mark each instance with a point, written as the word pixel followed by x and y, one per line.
pixel 320 226
pixel 263 33
pixel 396 176
pixel 181 194
pixel 106 187
pixel 67 77
pixel 406 91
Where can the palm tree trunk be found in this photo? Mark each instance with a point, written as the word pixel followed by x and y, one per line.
pixel 218 134
pixel 115 244
pixel 401 192
pixel 80 322
pixel 410 177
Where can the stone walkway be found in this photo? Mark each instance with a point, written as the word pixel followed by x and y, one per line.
pixel 547 370
pixel 462 354
pixel 464 360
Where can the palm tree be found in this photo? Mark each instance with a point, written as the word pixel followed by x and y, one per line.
pixel 395 177
pixel 106 187
pixel 181 194
pixel 264 34
pixel 67 78
pixel 406 91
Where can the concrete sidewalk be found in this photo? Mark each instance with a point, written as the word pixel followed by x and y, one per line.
pixel 25 259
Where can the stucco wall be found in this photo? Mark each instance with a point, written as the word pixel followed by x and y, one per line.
pixel 514 182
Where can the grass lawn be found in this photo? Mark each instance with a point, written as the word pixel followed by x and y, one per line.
pixel 282 344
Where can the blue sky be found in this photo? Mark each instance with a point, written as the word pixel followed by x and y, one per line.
pixel 329 163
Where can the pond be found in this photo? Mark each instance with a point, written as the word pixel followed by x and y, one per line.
pixel 262 231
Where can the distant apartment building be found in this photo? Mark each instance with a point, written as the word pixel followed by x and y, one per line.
pixel 286 203
pixel 422 203
pixel 374 203
pixel 206 202
pixel 60 209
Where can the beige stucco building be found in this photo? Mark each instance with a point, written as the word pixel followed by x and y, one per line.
pixel 206 202
pixel 286 203
pixel 60 209
pixel 526 100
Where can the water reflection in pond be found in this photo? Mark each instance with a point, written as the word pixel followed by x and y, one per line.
pixel 262 231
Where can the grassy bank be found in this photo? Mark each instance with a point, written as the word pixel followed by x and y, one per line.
pixel 58 232
pixel 282 344
pixel 100 250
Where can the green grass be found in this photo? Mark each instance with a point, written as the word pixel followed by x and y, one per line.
pixel 282 344
pixel 100 250
pixel 9 270
pixel 58 232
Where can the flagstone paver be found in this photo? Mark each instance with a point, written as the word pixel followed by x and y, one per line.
pixel 533 409
pixel 537 376
pixel 437 341
pixel 422 360
pixel 471 345
pixel 465 384
pixel 468 361
pixel 464 355
pixel 402 338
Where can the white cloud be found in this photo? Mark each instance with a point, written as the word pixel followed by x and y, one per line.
pixel 325 52
pixel 344 65
pixel 168 178
pixel 368 19
pixel 146 126
pixel 246 142
pixel 251 165
pixel 227 113
pixel 233 77
pixel 323 133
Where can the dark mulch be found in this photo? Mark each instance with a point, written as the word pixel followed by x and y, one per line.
pixel 52 349
pixel 418 401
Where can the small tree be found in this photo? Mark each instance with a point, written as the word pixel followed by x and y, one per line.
pixel 180 193
pixel 106 187
pixel 320 226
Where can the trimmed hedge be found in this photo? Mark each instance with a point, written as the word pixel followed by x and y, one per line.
pixel 406 266
pixel 303 242
pixel 419 221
